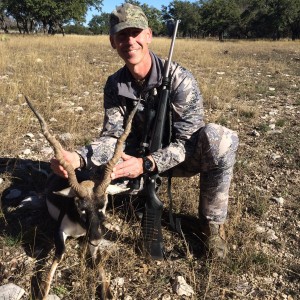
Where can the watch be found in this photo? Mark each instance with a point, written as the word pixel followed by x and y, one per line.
pixel 147 165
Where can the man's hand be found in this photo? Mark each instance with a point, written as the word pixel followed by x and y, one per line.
pixel 71 157
pixel 131 167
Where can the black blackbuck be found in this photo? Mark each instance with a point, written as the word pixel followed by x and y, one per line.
pixel 79 206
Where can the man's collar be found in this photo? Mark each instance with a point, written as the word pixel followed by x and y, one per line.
pixel 127 85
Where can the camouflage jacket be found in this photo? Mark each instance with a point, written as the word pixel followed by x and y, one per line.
pixel 122 92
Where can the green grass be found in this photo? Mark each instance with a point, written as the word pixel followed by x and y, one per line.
pixel 12 240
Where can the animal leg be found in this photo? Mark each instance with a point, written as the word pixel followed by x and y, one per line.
pixel 60 247
pixel 104 288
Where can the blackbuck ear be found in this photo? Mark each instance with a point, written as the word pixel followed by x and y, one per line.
pixel 115 189
pixel 68 192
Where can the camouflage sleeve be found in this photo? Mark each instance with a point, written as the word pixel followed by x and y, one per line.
pixel 101 149
pixel 188 118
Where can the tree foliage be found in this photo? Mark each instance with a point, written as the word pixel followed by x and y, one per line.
pixel 189 15
pixel 99 24
pixel 155 19
pixel 51 14
pixel 219 16
pixel 215 18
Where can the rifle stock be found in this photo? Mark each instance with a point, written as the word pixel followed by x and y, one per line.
pixel 151 222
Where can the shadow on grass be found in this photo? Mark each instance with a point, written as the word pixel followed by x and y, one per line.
pixel 26 223
pixel 190 237
pixel 189 232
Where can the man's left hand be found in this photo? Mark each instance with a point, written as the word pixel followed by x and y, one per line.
pixel 131 167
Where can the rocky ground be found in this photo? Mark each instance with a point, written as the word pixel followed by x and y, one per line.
pixel 263 227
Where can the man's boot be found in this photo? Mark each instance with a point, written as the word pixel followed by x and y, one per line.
pixel 214 239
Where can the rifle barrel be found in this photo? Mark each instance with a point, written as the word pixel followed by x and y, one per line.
pixel 167 68
pixel 157 135
pixel 151 223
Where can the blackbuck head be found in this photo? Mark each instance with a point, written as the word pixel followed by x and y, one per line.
pixel 90 196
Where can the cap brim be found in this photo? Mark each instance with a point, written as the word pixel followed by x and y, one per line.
pixel 124 25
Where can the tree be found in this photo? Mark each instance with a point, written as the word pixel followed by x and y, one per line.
pixel 292 16
pixel 277 17
pixel 271 18
pixel 77 28
pixel 188 13
pixel 3 24
pixel 19 11
pixel 155 19
pixel 100 24
pixel 219 16
pixel 51 13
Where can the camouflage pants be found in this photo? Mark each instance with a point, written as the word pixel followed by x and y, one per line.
pixel 213 159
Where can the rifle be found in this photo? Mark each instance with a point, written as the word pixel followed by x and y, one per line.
pixel 151 222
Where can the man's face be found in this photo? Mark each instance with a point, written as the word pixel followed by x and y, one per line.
pixel 132 44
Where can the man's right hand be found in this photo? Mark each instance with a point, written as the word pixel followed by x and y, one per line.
pixel 71 157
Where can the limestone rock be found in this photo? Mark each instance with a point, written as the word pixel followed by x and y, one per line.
pixel 11 291
pixel 181 288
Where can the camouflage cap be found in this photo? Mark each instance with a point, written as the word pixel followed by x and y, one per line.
pixel 127 16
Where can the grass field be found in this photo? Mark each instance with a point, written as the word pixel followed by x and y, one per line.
pixel 252 87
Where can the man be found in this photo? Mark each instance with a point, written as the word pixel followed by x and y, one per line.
pixel 195 148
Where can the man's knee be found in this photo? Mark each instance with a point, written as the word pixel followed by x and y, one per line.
pixel 218 144
pixel 215 149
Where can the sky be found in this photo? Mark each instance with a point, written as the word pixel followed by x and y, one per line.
pixel 110 5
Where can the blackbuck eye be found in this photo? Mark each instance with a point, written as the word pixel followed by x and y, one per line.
pixel 101 213
pixel 83 212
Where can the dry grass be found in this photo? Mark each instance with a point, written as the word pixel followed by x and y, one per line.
pixel 246 86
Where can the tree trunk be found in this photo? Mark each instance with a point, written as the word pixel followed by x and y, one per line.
pixel 62 29
pixel 3 25
pixel 221 36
